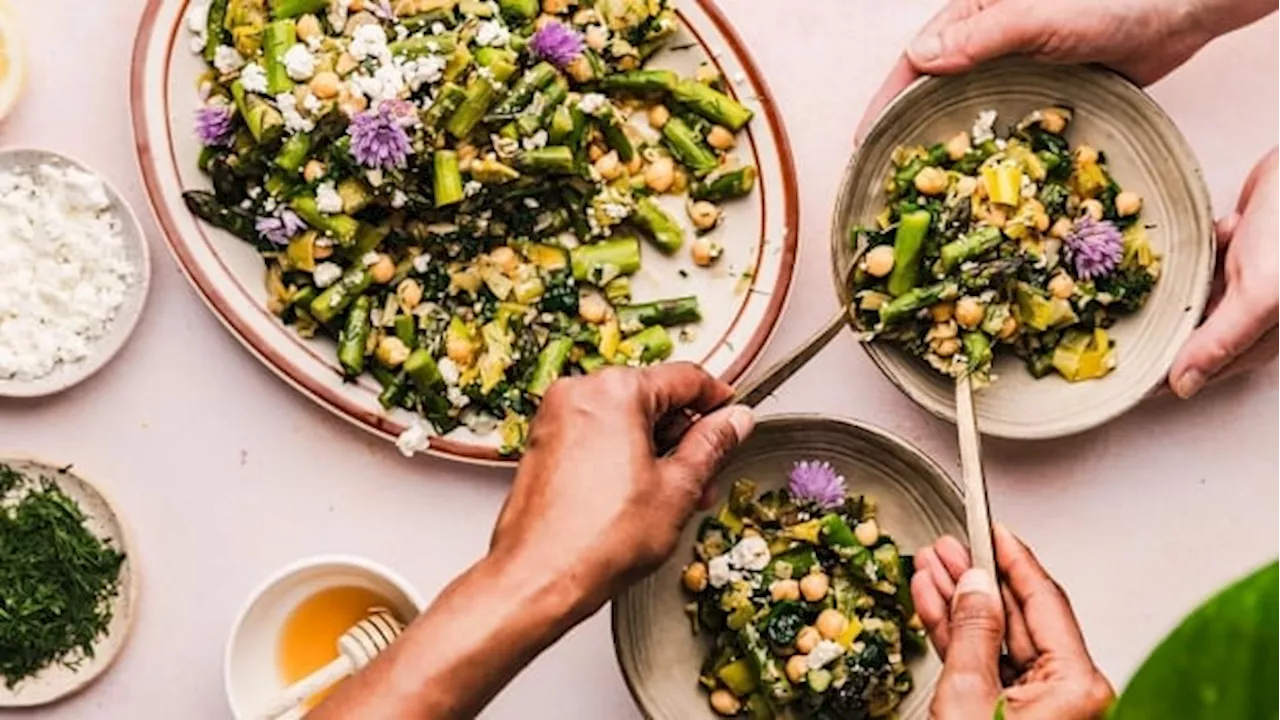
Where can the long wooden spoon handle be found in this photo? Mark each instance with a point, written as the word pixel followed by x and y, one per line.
pixel 977 512
pixel 753 393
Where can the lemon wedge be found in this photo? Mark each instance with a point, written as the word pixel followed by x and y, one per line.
pixel 13 61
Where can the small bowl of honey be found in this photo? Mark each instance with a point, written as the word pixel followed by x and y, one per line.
pixel 291 624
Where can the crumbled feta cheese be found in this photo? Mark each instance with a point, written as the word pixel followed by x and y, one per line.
pixel 824 652
pixel 984 127
pixel 719 573
pixel 64 264
pixel 423 71
pixel 535 141
pixel 505 147
pixel 375 177
pixel 370 258
pixel 294 122
pixel 254 78
pixel 492 33
pixel 449 371
pixel 592 103
pixel 402 32
pixel 456 397
pixel 198 24
pixel 311 103
pixel 398 199
pixel 338 12
pixel 327 198
pixel 326 274
pixel 299 62
pixel 437 28
pixel 751 553
pixel 369 41
pixel 471 187
pixel 421 263
pixel 1028 189
pixel 531 203
pixel 414 439
pixel 227 59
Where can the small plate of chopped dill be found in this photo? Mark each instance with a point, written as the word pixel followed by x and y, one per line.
pixel 67 583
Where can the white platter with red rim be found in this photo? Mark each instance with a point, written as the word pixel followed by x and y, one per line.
pixel 742 297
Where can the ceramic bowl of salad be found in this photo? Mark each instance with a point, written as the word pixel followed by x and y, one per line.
pixel 1045 230
pixel 791 598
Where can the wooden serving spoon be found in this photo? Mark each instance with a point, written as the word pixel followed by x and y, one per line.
pixel 357 647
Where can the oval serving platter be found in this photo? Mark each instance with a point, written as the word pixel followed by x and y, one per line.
pixel 1146 153
pixel 103 520
pixel 742 297
pixel 658 652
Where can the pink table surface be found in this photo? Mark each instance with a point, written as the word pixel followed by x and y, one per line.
pixel 226 473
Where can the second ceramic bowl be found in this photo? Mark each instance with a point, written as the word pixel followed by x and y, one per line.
pixel 1146 153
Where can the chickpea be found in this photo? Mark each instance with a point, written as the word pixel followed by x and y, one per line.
pixel 784 590
pixel 704 214
pixel 1053 120
pixel 356 5
pixel 814 586
pixel 880 260
pixel 409 293
pixel 460 350
pixel 725 703
pixel 391 351
pixel 993 216
pixel 931 181
pixel 721 138
pixel 807 639
pixel 1092 208
pixel 325 85
pixel 580 69
pixel 308 26
pixel 943 330
pixel 1061 228
pixel 629 62
pixel 947 347
pixel 595 151
pixel 593 308
pixel 705 251
pixel 554 7
pixel 660 175
pixel 797 668
pixel 831 623
pixel 313 171
pixel 351 105
pixel 608 166
pixel 658 116
pixel 969 312
pixel 681 182
pixel 1009 327
pixel 322 249
pixel 873 301
pixel 695 577
pixel 958 146
pixel 867 532
pixel 505 258
pixel 1062 286
pixel 966 186
pixel 1128 203
pixel 1086 154
pixel 382 270
pixel 635 164
pixel 942 312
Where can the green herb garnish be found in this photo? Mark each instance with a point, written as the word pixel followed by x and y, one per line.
pixel 57 580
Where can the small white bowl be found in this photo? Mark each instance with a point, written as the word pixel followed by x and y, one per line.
pixel 104 348
pixel 249 668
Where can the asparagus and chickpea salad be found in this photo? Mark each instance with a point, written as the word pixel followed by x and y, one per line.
pixel 806 602
pixel 1014 241
pixel 454 189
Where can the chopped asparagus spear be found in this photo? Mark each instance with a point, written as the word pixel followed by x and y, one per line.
pixel 339 295
pixel 641 82
pixel 712 104
pixel 519 11
pixel 914 300
pixel 394 391
pixel 652 344
pixel 481 91
pixel 676 311
pixel 662 229
pixel 293 153
pixel 447 178
pixel 688 148
pixel 342 227
pixel 969 246
pixel 725 186
pixel 449 97
pixel 240 223
pixel 281 9
pixel 550 364
pixel 908 249
pixel 422 370
pixel 215 29
pixel 279 36
pixel 522 91
pixel 264 121
pixel 603 261
pixel 553 160
pixel 615 136
pixel 355 336
pixel 423 45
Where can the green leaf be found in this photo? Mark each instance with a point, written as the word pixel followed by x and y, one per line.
pixel 1221 662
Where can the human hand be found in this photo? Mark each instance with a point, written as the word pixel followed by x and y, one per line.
pixel 1053 675
pixel 1239 331
pixel 1141 39
pixel 591 498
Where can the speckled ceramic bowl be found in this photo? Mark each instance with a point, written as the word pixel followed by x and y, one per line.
pixel 1146 153
pixel 660 656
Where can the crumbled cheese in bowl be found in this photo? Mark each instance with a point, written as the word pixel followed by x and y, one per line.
pixel 65 266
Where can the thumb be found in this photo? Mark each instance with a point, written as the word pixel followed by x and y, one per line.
pixel 1231 329
pixel 707 442
pixel 1001 29
pixel 971 675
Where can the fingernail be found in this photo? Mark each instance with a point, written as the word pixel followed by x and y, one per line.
pixel 1188 384
pixel 925 48
pixel 742 420
pixel 976 580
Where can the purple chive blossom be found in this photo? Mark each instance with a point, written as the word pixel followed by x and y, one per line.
pixel 1094 247
pixel 378 139
pixel 556 43
pixel 214 126
pixel 382 9
pixel 281 227
pixel 817 482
